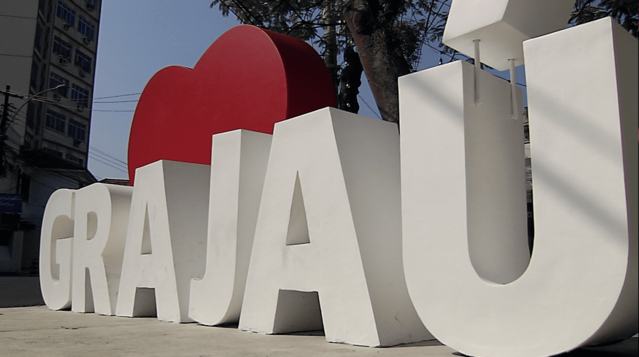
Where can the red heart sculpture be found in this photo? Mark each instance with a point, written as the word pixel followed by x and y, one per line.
pixel 249 78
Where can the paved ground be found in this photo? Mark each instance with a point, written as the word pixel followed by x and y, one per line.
pixel 37 331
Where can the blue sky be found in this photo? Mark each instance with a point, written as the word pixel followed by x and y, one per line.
pixel 137 38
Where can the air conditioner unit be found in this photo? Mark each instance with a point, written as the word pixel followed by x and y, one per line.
pixel 82 74
pixel 63 61
pixel 86 40
pixel 80 108
pixel 66 26
pixel 90 7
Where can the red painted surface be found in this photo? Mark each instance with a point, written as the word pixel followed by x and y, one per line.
pixel 249 78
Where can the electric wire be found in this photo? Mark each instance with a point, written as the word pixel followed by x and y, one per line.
pixel 108 155
pixel 118 96
pixel 124 167
pixel 107 164
pixel 369 107
pixel 104 160
pixel 117 101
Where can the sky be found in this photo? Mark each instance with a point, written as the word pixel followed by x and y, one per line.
pixel 137 38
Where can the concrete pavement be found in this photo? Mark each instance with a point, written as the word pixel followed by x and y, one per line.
pixel 37 331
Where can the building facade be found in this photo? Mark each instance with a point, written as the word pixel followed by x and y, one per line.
pixel 47 67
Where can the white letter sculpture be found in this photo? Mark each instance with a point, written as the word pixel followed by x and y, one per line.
pixel 502 25
pixel 56 250
pixel 101 220
pixel 328 233
pixel 580 287
pixel 166 240
pixel 238 166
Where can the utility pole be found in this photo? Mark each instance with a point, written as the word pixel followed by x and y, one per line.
pixel 3 124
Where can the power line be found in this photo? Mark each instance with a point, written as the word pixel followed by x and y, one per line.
pixel 118 96
pixel 117 101
pixel 108 155
pixel 56 172
pixel 103 157
pixel 106 163
pixel 55 103
pixel 42 97
pixel 369 107
pixel 112 110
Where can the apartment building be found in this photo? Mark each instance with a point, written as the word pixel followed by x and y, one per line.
pixel 47 67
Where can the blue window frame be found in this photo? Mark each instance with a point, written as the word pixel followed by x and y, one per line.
pixel 86 28
pixel 80 95
pixel 61 47
pixel 66 13
pixel 77 130
pixel 56 121
pixel 83 61
pixel 55 80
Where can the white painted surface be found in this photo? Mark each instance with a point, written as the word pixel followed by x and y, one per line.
pixel 464 164
pixel 581 285
pixel 238 167
pixel 101 220
pixel 166 237
pixel 56 250
pixel 339 172
pixel 502 26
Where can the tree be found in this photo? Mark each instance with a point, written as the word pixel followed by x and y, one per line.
pixel 624 11
pixel 381 38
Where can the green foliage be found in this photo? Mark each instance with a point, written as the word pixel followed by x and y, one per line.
pixel 408 25
pixel 391 34
pixel 414 23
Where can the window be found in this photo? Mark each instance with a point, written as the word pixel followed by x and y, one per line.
pixel 80 96
pixel 61 47
pixel 53 152
pixel 37 42
pixel 83 61
pixel 34 74
pixel 45 50
pixel 86 28
pixel 75 159
pixel 90 4
pixel 77 130
pixel 43 77
pixel 55 80
pixel 56 121
pixel 28 140
pixel 31 113
pixel 25 187
pixel 66 13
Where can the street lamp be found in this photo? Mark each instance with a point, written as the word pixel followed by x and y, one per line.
pixel 5 126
